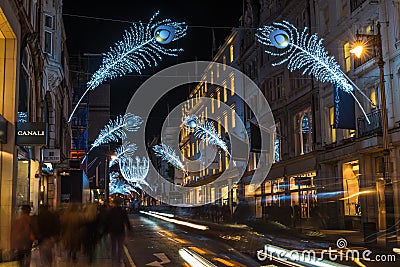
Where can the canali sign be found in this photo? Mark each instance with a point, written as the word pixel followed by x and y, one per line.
pixel 31 133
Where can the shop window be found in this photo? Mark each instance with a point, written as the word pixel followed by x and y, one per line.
pixel 351 188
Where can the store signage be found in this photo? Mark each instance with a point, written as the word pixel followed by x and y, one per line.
pixel 3 130
pixel 52 155
pixel 31 133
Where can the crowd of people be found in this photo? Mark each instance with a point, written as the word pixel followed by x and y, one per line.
pixel 73 229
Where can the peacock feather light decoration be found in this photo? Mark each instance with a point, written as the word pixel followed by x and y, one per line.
pixel 115 129
pixel 125 150
pixel 143 45
pixel 305 51
pixel 168 154
pixel 205 131
pixel 120 186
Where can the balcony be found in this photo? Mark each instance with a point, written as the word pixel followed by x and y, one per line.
pixel 354 4
pixel 365 129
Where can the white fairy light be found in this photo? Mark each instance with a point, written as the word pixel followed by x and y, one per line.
pixel 304 51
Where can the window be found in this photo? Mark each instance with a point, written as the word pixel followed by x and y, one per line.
pixel 231 58
pixel 303 132
pixel 233 116
pixel 225 92
pixel 48 42
pixel 48 34
pixel 346 54
pixel 226 126
pixel 351 188
pixel 48 21
pixel 219 126
pixel 277 143
pixel 279 86
pixel 212 103
pixel 224 62
pixel 232 84
pixel 218 98
pixel 217 70
pixel 331 124
pixel 374 98
pixel 212 77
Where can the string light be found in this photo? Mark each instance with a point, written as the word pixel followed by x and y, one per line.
pixel 302 51
pixel 114 130
pixel 168 154
pixel 142 46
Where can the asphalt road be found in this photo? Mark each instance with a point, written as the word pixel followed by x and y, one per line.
pixel 153 242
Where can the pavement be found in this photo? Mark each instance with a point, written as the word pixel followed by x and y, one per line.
pixel 102 258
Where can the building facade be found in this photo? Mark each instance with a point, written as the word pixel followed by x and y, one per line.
pixel 36 90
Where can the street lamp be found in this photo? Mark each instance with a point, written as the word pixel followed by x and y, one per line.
pixel 358 50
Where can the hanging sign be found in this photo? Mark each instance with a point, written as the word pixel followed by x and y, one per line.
pixel 31 133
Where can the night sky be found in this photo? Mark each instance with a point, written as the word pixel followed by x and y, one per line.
pixel 94 26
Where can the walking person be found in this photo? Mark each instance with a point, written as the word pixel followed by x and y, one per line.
pixel 118 223
pixel 22 236
pixel 48 234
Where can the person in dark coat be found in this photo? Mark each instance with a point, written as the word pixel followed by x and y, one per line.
pixel 118 223
pixel 49 230
pixel 22 236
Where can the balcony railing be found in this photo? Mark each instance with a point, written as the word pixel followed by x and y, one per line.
pixel 354 4
pixel 375 125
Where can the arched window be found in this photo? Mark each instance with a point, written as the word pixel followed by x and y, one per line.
pixel 303 131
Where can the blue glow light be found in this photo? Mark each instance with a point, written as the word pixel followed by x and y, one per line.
pixel 168 154
pixel 141 47
pixel 304 51
pixel 115 130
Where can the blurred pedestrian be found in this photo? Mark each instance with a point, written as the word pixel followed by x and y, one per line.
pixel 48 234
pixel 22 236
pixel 71 231
pixel 118 223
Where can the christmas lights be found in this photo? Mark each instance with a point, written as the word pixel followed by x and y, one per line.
pixel 304 51
pixel 126 149
pixel 119 186
pixel 134 170
pixel 114 130
pixel 168 154
pixel 205 131
pixel 142 46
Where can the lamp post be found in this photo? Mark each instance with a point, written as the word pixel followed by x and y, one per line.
pixel 376 41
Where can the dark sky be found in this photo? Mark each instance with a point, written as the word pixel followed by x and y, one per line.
pixel 94 26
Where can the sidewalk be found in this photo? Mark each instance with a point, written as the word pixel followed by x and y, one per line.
pixel 102 257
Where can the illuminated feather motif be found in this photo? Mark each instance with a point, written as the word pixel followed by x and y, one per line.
pixel 125 150
pixel 119 186
pixel 115 130
pixel 168 154
pixel 304 51
pixel 205 131
pixel 142 46
pixel 134 170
